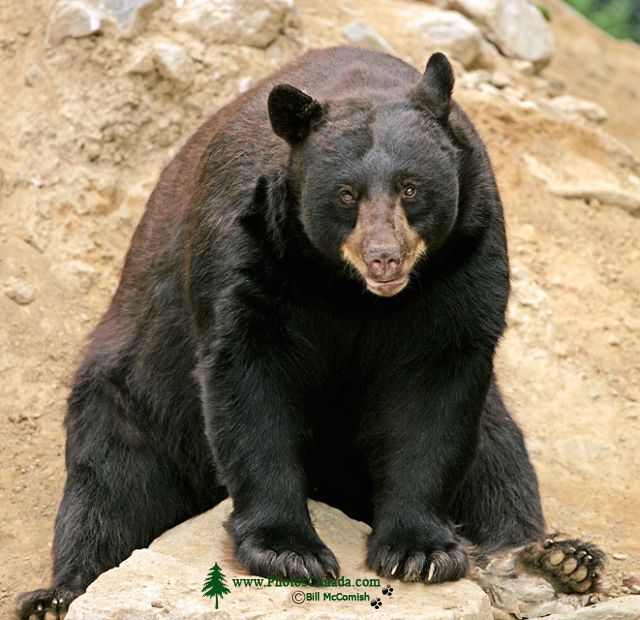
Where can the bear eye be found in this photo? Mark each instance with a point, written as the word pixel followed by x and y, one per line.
pixel 347 196
pixel 409 191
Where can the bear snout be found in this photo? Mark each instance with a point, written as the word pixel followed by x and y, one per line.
pixel 384 263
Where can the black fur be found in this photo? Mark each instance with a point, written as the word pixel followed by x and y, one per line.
pixel 433 93
pixel 241 355
pixel 292 112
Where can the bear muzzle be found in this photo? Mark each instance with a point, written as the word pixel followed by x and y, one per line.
pixel 385 276
pixel 387 288
pixel 383 248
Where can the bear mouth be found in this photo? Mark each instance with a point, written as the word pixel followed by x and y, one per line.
pixel 387 288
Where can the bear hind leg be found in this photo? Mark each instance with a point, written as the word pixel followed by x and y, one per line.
pixel 120 494
pixel 498 506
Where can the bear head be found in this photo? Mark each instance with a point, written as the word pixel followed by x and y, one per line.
pixel 376 177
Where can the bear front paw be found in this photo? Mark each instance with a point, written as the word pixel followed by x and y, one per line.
pixel 291 558
pixel 49 603
pixel 417 563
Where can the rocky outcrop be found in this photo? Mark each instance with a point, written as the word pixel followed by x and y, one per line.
pixel 165 581
pixel 574 107
pixel 624 608
pixel 256 23
pixel 589 181
pixel 359 34
pixel 516 27
pixel 450 32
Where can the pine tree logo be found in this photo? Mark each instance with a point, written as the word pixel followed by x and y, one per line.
pixel 214 584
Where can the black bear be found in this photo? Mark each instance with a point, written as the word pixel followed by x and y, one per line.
pixel 309 308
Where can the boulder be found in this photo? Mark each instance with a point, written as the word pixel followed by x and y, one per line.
pixel 516 27
pixel 127 13
pixel 566 105
pixel 143 61
pixel 174 63
pixel 623 608
pixel 19 291
pixel 165 581
pixel 170 60
pixel 450 32
pixel 361 35
pixel 81 18
pixel 75 275
pixel 72 18
pixel 256 23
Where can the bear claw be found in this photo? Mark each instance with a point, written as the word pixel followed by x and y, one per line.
pixel 46 604
pixel 308 561
pixel 430 566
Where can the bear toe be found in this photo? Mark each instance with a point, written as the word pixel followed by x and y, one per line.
pixel 311 562
pixel 430 566
pixel 45 604
pixel 573 565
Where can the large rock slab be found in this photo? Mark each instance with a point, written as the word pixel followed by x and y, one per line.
pixel 449 32
pixel 624 608
pixel 516 27
pixel 574 107
pixel 256 23
pixel 165 581
pixel 588 181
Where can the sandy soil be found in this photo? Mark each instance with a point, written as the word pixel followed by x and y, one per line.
pixel 82 141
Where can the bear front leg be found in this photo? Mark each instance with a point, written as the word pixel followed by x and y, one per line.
pixel 426 433
pixel 252 410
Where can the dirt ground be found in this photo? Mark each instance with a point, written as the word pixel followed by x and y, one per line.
pixel 83 139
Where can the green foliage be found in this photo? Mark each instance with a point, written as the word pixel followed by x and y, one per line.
pixel 620 18
pixel 215 584
pixel 546 13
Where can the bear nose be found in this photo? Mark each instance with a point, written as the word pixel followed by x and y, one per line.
pixel 383 263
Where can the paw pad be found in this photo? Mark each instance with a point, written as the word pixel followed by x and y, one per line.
pixel 376 603
pixel 387 591
pixel 574 565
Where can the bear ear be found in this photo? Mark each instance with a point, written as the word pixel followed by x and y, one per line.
pixel 433 93
pixel 292 112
